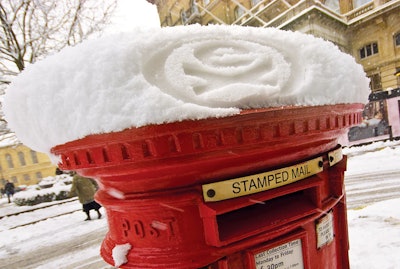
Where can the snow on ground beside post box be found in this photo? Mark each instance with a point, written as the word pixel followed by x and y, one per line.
pixel 174 74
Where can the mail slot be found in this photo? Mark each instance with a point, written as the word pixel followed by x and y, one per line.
pixel 263 189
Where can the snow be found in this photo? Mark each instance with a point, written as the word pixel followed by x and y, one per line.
pixel 119 254
pixel 375 235
pixel 26 238
pixel 374 232
pixel 380 151
pixel 56 189
pixel 159 75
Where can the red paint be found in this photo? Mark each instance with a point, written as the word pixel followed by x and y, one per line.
pixel 159 169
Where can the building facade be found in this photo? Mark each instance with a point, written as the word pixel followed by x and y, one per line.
pixel 369 30
pixel 23 166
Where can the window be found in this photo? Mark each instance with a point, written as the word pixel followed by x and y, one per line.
pixel 375 82
pixel 194 8
pixel 34 156
pixel 27 177
pixel 183 17
pixel 39 176
pixel 397 40
pixel 255 2
pixel 14 179
pixel 333 5
pixel 368 50
pixel 238 12
pixel 21 158
pixel 9 161
pixel 397 74
pixel 359 3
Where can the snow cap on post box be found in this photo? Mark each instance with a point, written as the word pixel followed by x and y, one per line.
pixel 174 74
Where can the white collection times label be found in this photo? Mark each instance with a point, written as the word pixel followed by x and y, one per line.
pixel 324 229
pixel 285 256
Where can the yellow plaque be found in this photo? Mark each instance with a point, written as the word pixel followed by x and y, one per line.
pixel 335 156
pixel 247 185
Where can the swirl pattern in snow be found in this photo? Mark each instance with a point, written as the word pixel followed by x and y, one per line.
pixel 174 74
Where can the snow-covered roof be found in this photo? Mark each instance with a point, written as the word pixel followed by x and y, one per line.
pixel 173 74
pixel 8 140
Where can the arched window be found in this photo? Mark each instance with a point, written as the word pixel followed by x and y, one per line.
pixel 368 50
pixel 184 17
pixel 397 39
pixel 34 157
pixel 238 12
pixel 21 158
pixel 193 5
pixel 9 161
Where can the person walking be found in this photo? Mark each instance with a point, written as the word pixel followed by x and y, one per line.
pixel 9 189
pixel 85 188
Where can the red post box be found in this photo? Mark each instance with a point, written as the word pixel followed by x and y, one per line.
pixel 259 190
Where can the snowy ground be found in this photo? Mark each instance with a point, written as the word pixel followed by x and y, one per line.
pixel 66 241
pixel 374 230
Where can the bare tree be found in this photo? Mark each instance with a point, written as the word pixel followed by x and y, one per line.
pixel 32 29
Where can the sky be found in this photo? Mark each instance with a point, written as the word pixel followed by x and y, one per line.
pixel 374 232
pixel 132 13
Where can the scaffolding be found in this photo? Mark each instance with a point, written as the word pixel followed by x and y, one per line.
pixel 260 13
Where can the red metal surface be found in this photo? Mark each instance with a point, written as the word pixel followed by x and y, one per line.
pixel 151 179
pixel 206 150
